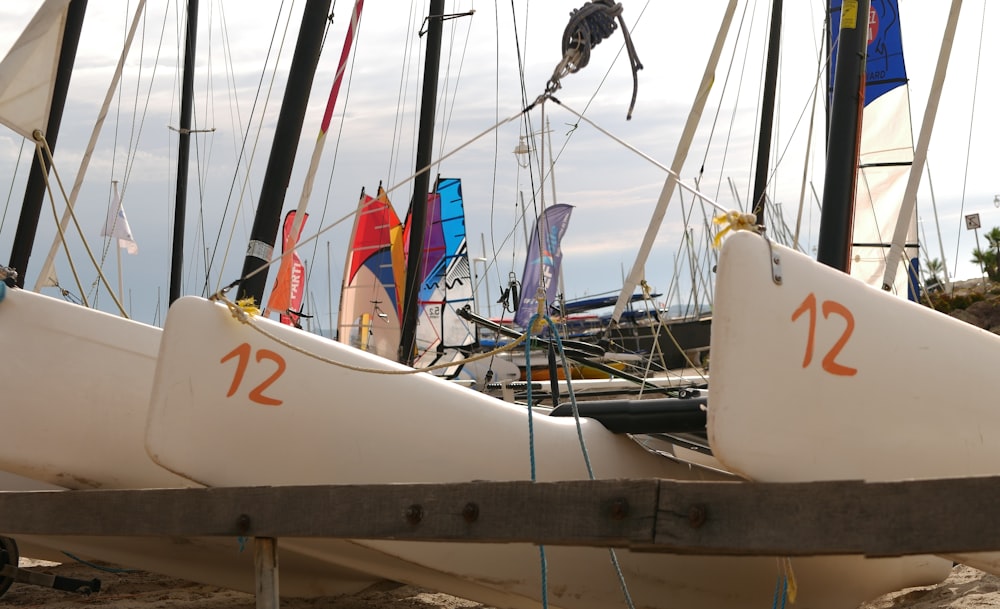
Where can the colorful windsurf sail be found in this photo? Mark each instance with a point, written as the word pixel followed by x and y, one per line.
pixel 445 279
pixel 371 294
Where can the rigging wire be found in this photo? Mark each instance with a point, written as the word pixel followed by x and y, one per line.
pixel 208 144
pixel 968 145
pixel 13 180
pixel 135 133
pixel 349 79
pixel 448 109
pixel 395 148
pixel 243 155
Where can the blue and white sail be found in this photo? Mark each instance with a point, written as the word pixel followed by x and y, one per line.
pixel 446 280
pixel 885 154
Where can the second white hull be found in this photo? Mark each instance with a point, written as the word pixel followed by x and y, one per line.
pixel 223 415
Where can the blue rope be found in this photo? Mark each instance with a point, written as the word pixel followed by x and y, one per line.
pixel 572 396
pixel 583 447
pixel 531 452
pixel 586 455
pixel 99 567
pixel 780 593
pixel 527 376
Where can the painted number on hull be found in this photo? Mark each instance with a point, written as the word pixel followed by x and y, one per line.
pixel 829 307
pixel 257 393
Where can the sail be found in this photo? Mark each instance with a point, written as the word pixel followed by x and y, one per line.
pixel 289 284
pixel 446 279
pixel 370 301
pixel 28 72
pixel 886 152
pixel 541 267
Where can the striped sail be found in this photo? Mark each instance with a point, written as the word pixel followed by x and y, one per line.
pixel 370 299
pixel 446 280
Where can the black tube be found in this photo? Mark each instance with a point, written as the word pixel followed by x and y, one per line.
pixel 418 205
pixel 183 152
pixel 767 115
pixel 841 177
pixel 659 415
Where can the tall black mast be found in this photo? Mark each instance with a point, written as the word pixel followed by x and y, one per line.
pixel 418 205
pixel 183 151
pixel 34 193
pixel 286 140
pixel 767 115
pixel 844 133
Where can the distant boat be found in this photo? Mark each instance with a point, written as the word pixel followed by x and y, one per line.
pixel 671 341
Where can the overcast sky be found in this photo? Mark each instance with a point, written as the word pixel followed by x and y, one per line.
pixel 372 136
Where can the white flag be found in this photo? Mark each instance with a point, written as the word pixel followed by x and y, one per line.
pixel 117 225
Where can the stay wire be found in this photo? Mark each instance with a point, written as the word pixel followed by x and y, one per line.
pixel 968 145
pixel 243 155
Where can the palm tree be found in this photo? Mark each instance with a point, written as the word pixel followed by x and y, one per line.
pixel 932 270
pixel 986 260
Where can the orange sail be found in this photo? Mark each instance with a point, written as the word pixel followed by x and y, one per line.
pixel 289 284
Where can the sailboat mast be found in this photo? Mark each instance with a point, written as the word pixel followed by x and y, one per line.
pixel 844 135
pixel 418 205
pixel 286 140
pixel 183 152
pixel 767 115
pixel 34 193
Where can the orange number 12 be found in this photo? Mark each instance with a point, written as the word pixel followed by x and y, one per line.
pixel 829 307
pixel 257 393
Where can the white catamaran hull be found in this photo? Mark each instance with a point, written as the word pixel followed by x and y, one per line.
pixel 234 407
pixel 76 419
pixel 822 377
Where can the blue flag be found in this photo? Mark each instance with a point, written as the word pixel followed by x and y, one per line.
pixel 541 267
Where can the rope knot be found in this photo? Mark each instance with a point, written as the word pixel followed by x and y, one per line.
pixel 243 310
pixel 734 221
pixel 587 27
pixel 539 324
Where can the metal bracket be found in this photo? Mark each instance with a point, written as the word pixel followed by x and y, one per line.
pixel 775 262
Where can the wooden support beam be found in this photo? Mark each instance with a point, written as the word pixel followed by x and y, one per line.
pixel 266 572
pixel 723 518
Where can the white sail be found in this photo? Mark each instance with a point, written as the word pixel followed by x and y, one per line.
pixel 28 71
pixel 885 161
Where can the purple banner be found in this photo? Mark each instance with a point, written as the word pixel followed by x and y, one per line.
pixel 541 268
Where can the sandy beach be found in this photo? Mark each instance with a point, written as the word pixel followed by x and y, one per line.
pixel 966 588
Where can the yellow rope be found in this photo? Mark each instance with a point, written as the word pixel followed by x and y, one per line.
pixel 791 586
pixel 245 310
pixel 733 221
